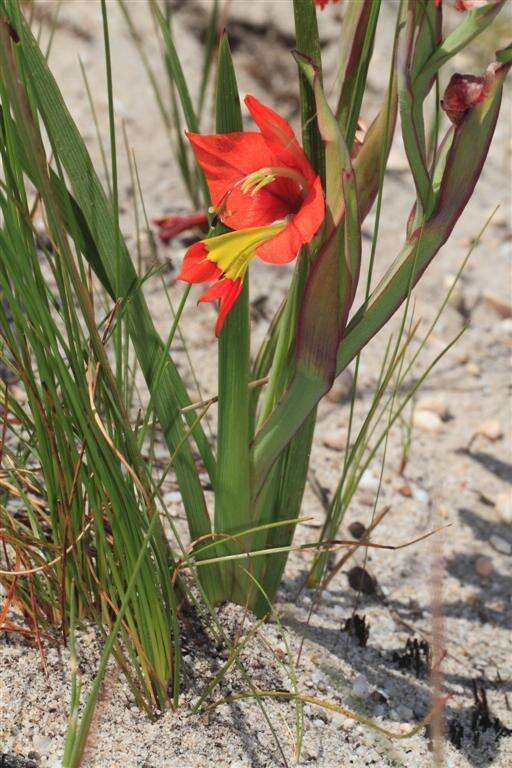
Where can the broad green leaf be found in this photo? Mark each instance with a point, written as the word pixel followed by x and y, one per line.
pixel 232 490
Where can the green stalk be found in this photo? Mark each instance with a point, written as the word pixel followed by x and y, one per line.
pixel 232 495
pixel 308 43
pixel 282 496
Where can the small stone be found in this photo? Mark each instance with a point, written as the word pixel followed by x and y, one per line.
pixel 369 482
pixel 341 390
pixel 473 369
pixel 335 440
pixel 361 581
pixel 172 497
pixel 504 507
pixel 41 743
pixel 503 329
pixel 502 308
pixel 405 490
pixel 483 567
pixel 492 430
pixel 357 529
pixel 361 687
pixel 501 545
pixel 421 495
pixel 404 727
pixel 379 696
pixel 434 405
pixel 428 421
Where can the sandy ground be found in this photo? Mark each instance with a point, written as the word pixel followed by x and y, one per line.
pixel 469 563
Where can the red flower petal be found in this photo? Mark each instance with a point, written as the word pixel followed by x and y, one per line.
pixel 227 291
pixel 226 158
pixel 196 268
pixel 302 226
pixel 280 137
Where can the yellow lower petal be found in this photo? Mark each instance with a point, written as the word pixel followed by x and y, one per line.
pixel 233 251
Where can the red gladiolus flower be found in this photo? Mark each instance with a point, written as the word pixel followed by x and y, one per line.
pixel 263 186
pixel 171 226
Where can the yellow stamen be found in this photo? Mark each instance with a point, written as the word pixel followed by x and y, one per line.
pixel 257 180
pixel 264 176
pixel 233 252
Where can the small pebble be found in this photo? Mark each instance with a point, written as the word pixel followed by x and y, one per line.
pixel 473 369
pixel 421 495
pixel 369 482
pixel 172 497
pixel 41 743
pixel 483 567
pixel 405 490
pixel 504 507
pixel 503 329
pixel 492 430
pixel 341 390
pixel 501 545
pixel 434 405
pixel 357 529
pixel 428 421
pixel 502 308
pixel 361 687
pixel 361 581
pixel 335 440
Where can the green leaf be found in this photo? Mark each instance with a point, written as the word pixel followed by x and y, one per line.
pixel 232 490
pixel 337 157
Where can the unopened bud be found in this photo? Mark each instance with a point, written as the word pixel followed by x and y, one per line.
pixel 462 94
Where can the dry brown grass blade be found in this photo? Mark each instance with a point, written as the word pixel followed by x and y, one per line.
pixel 211 400
pixel 329 705
pixel 51 563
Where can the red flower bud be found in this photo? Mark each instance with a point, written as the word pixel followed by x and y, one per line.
pixel 171 226
pixel 322 3
pixel 463 93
